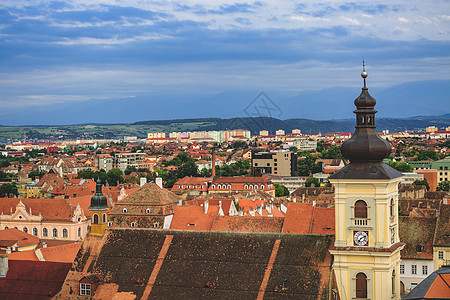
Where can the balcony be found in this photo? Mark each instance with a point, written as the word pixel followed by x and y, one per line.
pixel 360 222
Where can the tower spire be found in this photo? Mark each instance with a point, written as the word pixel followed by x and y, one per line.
pixel 364 74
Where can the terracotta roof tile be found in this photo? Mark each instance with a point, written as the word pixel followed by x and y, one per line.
pixel 23 239
pixel 193 217
pixel 247 224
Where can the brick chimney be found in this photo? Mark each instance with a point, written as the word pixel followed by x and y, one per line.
pixel 206 206
pixel 213 163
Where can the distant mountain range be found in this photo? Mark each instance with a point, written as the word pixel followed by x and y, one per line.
pixel 429 98
pixel 140 129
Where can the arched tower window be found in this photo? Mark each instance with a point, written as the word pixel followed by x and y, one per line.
pixel 65 233
pixel 55 232
pixel 95 219
pixel 35 231
pixel 361 285
pixel 44 232
pixel 361 209
pixel 104 218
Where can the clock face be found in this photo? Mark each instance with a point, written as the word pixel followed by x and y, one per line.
pixel 392 235
pixel 361 238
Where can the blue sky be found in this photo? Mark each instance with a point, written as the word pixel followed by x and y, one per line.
pixel 53 52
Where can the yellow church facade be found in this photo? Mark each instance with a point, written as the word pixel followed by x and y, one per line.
pixel 367 248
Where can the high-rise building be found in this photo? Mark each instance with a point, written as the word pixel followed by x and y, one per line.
pixel 282 163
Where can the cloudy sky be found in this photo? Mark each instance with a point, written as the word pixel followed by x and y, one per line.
pixel 58 51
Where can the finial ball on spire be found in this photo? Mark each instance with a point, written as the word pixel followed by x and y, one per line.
pixel 364 74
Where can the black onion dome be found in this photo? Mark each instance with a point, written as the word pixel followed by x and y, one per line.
pixel 98 201
pixel 365 144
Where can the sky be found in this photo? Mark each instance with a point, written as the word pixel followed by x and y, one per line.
pixel 54 52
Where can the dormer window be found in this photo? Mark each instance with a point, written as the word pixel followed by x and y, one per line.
pixel 156 225
pixel 133 224
pixel 147 210
pixel 20 217
pixel 85 289
pixel 124 210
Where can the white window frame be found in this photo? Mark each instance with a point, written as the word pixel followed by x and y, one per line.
pixel 414 269
pixel 424 270
pixel 402 269
pixel 85 289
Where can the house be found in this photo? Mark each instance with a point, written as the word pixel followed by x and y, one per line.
pixel 417 255
pixel 21 279
pixel 441 243
pixel 435 286
pixel 241 184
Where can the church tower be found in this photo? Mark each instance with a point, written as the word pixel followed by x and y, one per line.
pixel 367 247
pixel 98 209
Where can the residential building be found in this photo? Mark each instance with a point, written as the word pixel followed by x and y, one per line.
pixel 441 243
pixel 305 144
pixel 443 168
pixel 283 163
pixel 103 162
pixel 417 255
pixel 290 182
pixel 241 184
pixel 123 160
pixel 156 135
pixel 435 286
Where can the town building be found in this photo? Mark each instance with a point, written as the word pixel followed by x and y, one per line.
pixel 54 219
pixel 241 184
pixel 103 162
pixel 151 206
pixel 283 163
pixel 443 168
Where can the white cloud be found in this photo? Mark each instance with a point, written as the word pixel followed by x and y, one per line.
pixel 308 19
pixel 401 19
pixel 353 21
pixel 110 41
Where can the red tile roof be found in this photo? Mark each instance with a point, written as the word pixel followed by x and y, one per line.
pixel 63 254
pixel 305 218
pixel 23 239
pixel 33 279
pixel 51 209
pixel 247 224
pixel 193 217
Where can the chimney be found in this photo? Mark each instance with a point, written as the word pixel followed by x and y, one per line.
pixel 3 265
pixel 213 163
pixel 303 198
pixel 158 181
pixel 206 206
pixel 444 200
pixel 314 202
pixel 180 202
pixel 259 210
pixel 143 181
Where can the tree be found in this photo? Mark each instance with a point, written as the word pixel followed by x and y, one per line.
pixel 422 182
pixel 130 169
pixel 8 189
pixel 443 186
pixel 36 173
pixel 308 165
pixel 312 180
pixel 86 174
pixel 401 166
pixel 114 176
pixel 189 168
pixel 280 190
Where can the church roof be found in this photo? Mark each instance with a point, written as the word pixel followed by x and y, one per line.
pixel 204 265
pixel 149 196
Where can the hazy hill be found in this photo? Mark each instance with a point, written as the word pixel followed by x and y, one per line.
pixel 400 101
